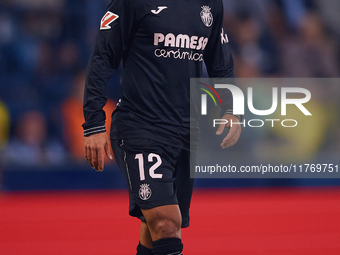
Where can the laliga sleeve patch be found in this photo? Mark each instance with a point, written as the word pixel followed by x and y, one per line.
pixel 108 18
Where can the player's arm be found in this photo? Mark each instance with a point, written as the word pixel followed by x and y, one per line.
pixel 220 64
pixel 112 39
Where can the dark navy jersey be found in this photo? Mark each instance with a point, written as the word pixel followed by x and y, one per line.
pixel 161 45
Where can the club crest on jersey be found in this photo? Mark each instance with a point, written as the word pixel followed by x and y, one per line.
pixel 145 192
pixel 206 16
pixel 108 18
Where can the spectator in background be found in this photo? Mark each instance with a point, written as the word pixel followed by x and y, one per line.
pixel 330 9
pixel 68 57
pixel 4 125
pixel 313 53
pixel 30 146
pixel 295 11
pixel 4 133
pixel 72 118
pixel 254 44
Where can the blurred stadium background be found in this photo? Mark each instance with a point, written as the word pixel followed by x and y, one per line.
pixel 44 48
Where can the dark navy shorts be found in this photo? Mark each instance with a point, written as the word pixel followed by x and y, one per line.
pixel 156 174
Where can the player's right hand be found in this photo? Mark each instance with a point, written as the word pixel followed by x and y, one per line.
pixel 95 145
pixel 234 132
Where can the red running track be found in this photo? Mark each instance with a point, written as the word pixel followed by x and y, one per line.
pixel 235 222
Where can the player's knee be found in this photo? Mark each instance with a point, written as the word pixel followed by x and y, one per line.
pixel 167 228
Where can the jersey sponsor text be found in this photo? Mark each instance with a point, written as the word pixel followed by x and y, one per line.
pixel 181 41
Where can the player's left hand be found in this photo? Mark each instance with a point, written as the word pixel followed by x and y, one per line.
pixel 234 132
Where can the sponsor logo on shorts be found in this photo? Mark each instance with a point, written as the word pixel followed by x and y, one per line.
pixel 145 191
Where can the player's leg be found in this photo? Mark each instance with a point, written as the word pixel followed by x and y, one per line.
pixel 145 236
pixel 149 169
pixel 184 188
pixel 164 223
pixel 145 244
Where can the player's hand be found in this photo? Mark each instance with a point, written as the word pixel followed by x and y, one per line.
pixel 234 132
pixel 95 145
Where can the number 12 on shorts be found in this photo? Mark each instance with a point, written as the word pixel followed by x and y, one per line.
pixel 152 169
